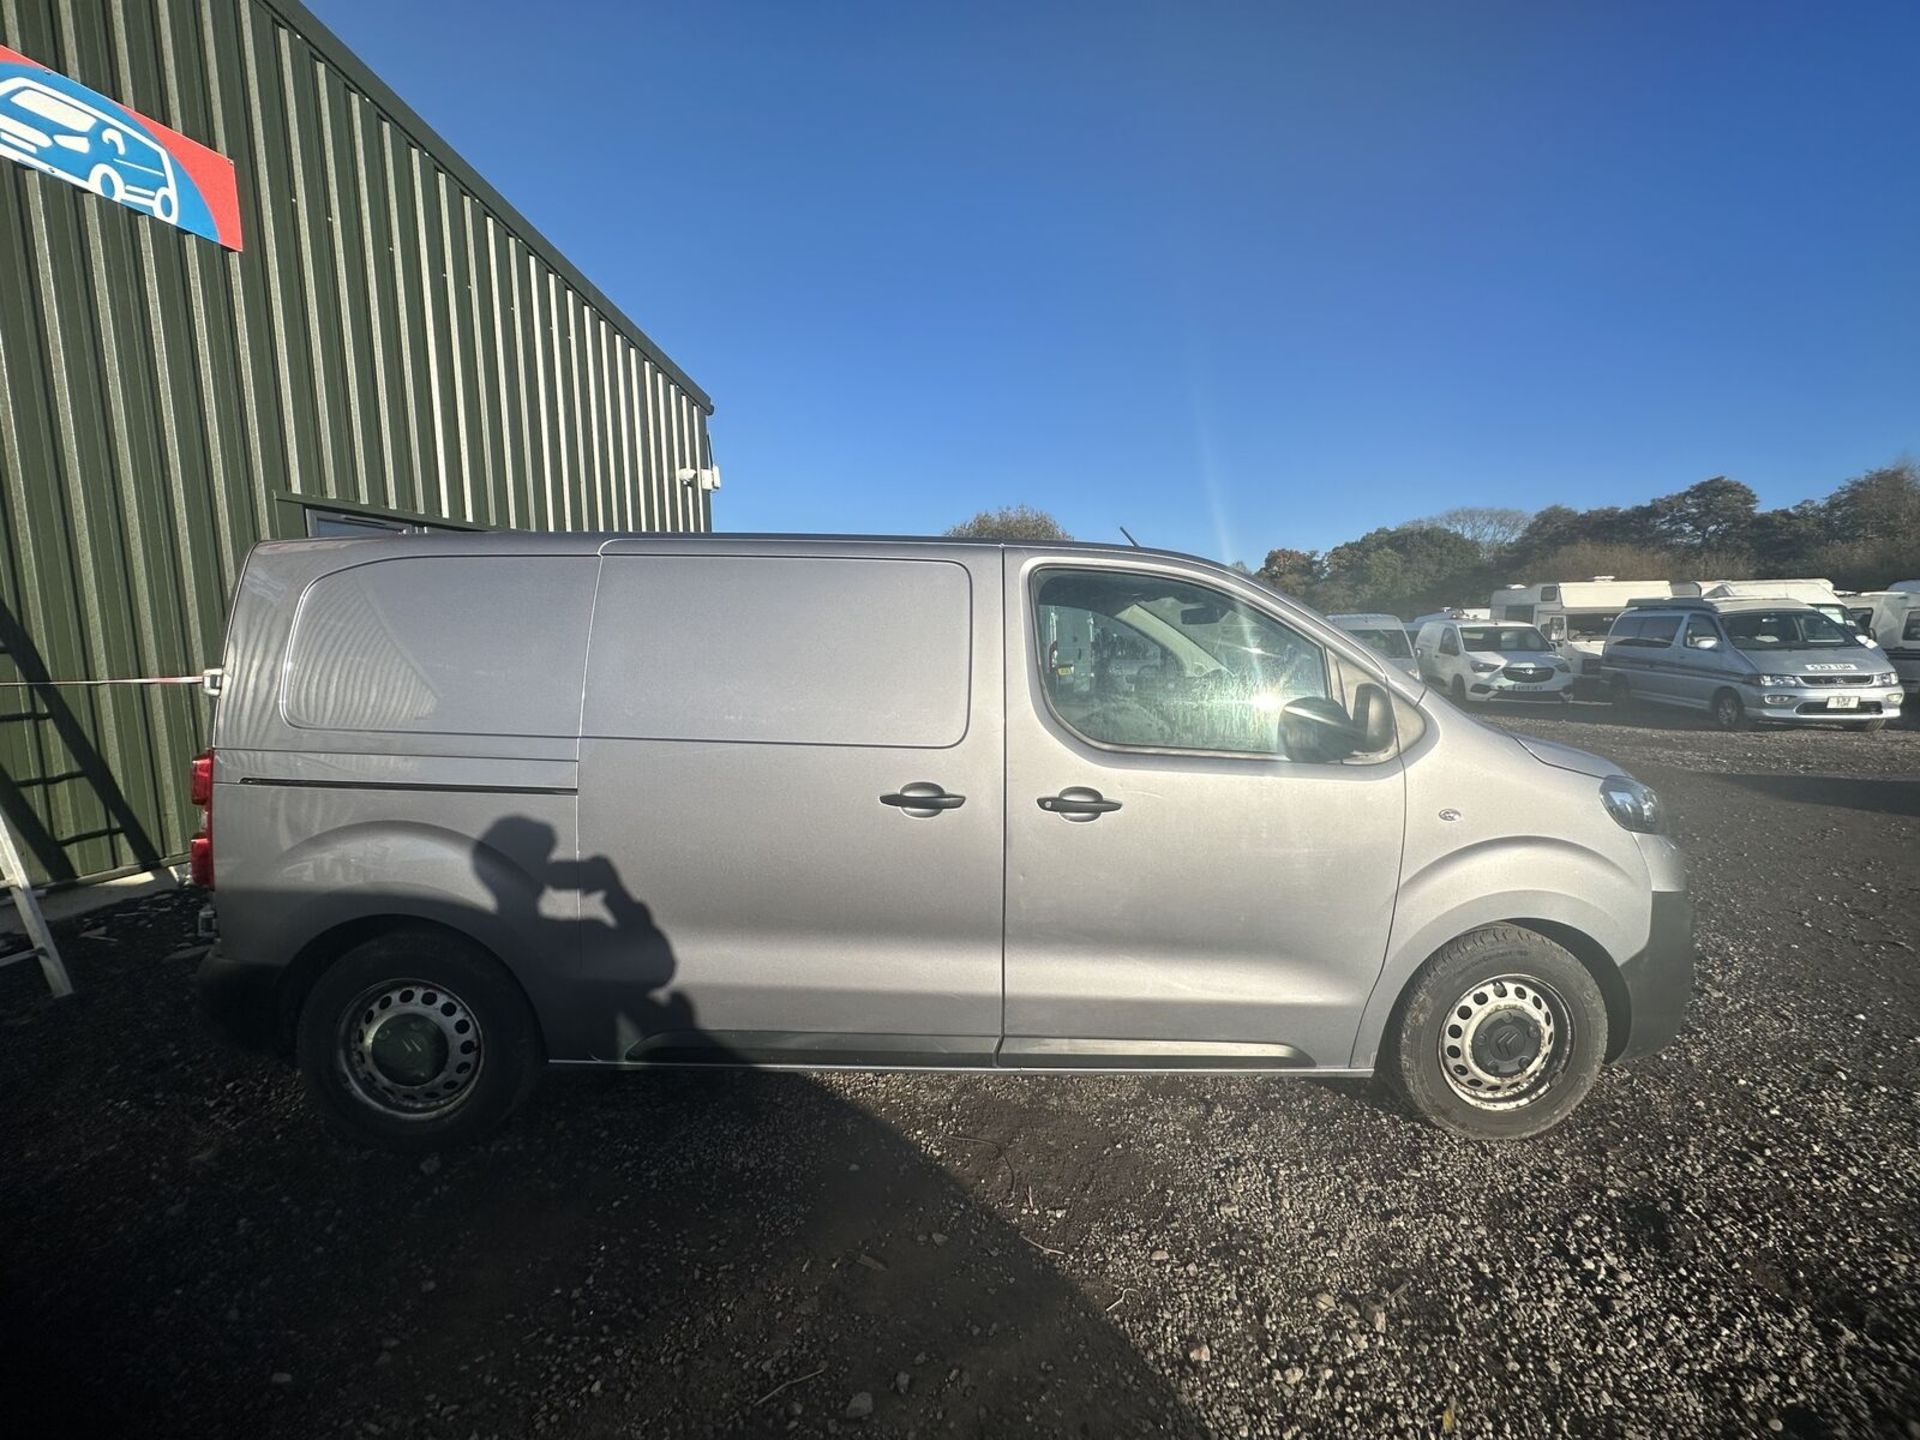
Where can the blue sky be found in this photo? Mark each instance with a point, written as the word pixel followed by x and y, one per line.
pixel 1234 276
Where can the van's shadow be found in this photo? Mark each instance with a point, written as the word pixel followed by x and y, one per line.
pixel 684 1252
pixel 1880 795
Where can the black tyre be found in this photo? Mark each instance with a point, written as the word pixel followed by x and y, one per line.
pixel 1500 1036
pixel 1458 690
pixel 1728 712
pixel 1620 693
pixel 417 1040
pixel 1870 725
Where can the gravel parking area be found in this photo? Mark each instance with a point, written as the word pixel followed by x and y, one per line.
pixel 1721 1242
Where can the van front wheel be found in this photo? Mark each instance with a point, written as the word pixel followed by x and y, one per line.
pixel 1728 712
pixel 1500 1036
pixel 417 1040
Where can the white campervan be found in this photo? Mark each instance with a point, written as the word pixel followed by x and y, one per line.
pixel 1820 594
pixel 1891 620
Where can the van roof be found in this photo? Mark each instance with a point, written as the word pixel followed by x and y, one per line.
pixel 583 542
pixel 1367 619
pixel 1723 606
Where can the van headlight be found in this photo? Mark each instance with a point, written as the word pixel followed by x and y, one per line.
pixel 1888 677
pixel 1485 667
pixel 1783 680
pixel 1563 667
pixel 1632 805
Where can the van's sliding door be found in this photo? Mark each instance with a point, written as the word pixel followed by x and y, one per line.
pixel 791 777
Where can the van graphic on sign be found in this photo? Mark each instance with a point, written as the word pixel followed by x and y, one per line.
pixel 88 147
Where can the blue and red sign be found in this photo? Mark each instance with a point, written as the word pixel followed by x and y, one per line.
pixel 63 129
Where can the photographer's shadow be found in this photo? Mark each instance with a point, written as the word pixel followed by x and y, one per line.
pixel 619 968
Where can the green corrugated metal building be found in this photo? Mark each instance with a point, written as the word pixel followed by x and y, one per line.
pixel 394 345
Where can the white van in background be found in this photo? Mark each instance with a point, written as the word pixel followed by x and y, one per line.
pixel 1891 620
pixel 1575 615
pixel 1452 612
pixel 1382 633
pixel 1480 660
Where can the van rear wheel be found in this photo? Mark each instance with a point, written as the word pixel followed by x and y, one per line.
pixel 1500 1036
pixel 417 1040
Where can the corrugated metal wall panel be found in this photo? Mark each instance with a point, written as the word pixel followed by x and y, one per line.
pixel 395 338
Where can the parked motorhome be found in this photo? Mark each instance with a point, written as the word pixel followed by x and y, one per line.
pixel 1383 633
pixel 1575 615
pixel 1892 619
pixel 467 817
pixel 1750 661
pixel 1818 593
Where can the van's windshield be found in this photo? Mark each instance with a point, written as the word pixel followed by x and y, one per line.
pixel 1785 630
pixel 1503 637
pixel 1390 643
pixel 1590 627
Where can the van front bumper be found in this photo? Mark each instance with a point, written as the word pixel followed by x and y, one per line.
pixel 1812 705
pixel 1659 979
pixel 241 1000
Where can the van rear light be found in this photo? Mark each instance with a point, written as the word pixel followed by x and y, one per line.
pixel 200 848
pixel 200 789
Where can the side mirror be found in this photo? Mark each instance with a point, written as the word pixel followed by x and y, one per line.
pixel 1705 642
pixel 1319 729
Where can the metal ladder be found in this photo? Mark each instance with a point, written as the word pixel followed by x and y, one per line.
pixel 13 870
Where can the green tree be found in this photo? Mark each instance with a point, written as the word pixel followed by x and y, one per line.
pixel 1715 514
pixel 1292 572
pixel 1493 528
pixel 1402 570
pixel 1010 522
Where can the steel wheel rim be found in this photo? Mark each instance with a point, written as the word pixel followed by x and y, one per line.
pixel 410 1049
pixel 1727 711
pixel 1505 1042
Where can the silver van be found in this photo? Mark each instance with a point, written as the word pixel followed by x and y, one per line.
pixel 478 805
pixel 1749 661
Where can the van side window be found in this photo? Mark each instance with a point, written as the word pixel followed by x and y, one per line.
pixel 1700 628
pixel 791 650
pixel 1625 630
pixel 1449 641
pixel 1657 631
pixel 1135 659
pixel 1912 632
pixel 1522 613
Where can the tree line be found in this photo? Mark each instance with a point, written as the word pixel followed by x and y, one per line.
pixel 1862 536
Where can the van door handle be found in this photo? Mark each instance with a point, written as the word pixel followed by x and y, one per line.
pixel 1078 802
pixel 923 798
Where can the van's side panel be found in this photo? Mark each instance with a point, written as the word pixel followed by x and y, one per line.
pixel 747 710
pixel 1491 841
pixel 397 739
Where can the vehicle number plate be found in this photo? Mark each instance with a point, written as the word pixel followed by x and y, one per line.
pixel 1843 702
pixel 1542 687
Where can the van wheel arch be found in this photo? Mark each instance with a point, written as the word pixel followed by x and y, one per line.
pixel 303 972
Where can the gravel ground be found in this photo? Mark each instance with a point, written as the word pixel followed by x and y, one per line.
pixel 1721 1242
